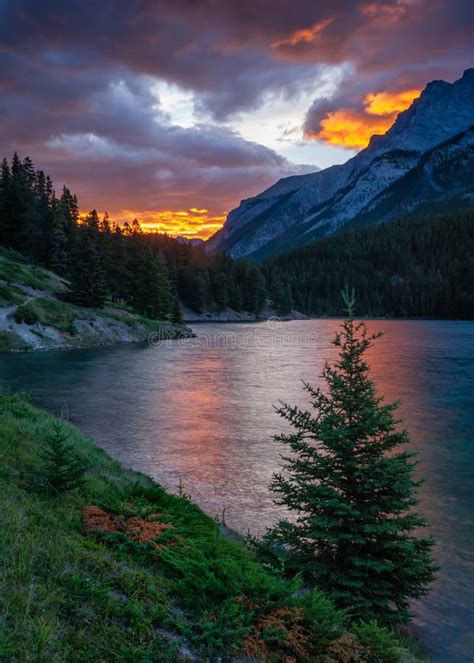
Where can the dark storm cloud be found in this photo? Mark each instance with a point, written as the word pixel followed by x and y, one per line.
pixel 76 78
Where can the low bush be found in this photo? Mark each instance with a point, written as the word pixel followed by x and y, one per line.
pixel 379 642
pixel 26 314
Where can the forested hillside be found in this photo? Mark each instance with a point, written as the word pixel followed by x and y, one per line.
pixel 418 266
pixel 412 267
pixel 119 263
pixel 210 281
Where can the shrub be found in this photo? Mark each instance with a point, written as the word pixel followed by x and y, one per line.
pixel 324 621
pixel 26 314
pixel 222 630
pixel 378 641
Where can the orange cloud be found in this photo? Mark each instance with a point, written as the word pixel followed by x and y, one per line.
pixel 349 128
pixel 306 35
pixel 193 222
pixel 354 129
pixel 387 103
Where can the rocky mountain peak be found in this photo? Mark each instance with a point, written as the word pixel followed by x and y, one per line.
pixel 324 201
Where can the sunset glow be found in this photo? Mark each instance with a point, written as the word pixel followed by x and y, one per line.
pixel 192 223
pixel 353 129
pixel 388 103
pixel 350 129
pixel 169 109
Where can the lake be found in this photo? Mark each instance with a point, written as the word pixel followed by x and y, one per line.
pixel 200 412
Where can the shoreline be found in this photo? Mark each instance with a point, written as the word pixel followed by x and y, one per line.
pixel 325 317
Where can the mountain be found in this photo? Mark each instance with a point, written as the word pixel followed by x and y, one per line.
pixel 432 138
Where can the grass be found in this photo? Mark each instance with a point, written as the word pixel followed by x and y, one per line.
pixel 14 269
pixel 10 342
pixel 49 312
pixel 120 570
pixel 11 294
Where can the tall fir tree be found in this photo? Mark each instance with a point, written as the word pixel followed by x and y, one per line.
pixel 254 290
pixel 356 533
pixel 88 286
pixel 57 241
pixel 220 291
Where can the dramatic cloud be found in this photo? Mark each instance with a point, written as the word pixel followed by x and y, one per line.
pixel 161 108
pixel 354 128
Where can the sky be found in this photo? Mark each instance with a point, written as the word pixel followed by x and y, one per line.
pixel 173 111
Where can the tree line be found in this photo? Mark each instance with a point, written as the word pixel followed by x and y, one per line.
pixel 415 267
pixel 211 281
pixel 104 261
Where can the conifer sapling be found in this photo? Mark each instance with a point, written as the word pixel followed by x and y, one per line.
pixel 62 469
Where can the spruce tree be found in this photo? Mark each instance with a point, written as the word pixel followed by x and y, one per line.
pixel 57 253
pixel 220 291
pixel 62 470
pixel 176 314
pixel 254 290
pixel 351 486
pixel 88 287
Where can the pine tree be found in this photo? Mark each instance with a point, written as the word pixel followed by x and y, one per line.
pixel 351 486
pixel 220 291
pixel 282 299
pixel 62 469
pixel 254 290
pixel 16 206
pixel 5 210
pixel 88 287
pixel 176 315
pixel 57 240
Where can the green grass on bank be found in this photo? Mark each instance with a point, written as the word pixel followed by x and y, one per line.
pixel 82 579
pixel 61 315
pixel 15 269
pixel 49 312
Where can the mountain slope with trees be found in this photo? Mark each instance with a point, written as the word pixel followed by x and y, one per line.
pixel 103 261
pixel 35 313
pixel 419 266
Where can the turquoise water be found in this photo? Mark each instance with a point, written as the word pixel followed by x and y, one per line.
pixel 201 411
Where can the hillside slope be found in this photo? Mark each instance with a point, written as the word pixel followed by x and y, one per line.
pixel 119 570
pixel 34 317
pixel 299 209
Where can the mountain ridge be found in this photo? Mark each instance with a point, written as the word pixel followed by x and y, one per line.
pixel 333 197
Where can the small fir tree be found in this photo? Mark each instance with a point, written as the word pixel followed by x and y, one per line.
pixel 62 469
pixel 352 489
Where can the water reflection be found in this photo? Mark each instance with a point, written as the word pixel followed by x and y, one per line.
pixel 202 412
